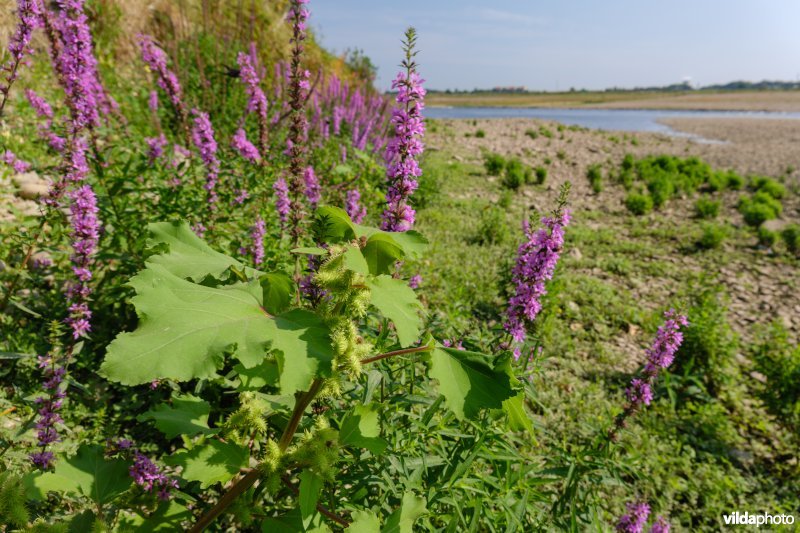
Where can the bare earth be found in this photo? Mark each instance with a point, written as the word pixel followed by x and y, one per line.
pixel 761 287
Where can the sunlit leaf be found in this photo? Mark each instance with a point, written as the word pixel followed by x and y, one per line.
pixel 397 302
pixel 402 520
pixel 187 415
pixel 212 462
pixel 361 428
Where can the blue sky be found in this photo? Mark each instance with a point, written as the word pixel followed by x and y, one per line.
pixel 558 44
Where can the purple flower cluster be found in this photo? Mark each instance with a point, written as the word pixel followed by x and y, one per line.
pixel 353 206
pixel 156 60
pixel 75 64
pixel 415 281
pixel 150 477
pixel 29 17
pixel 635 520
pixel 536 261
pixel 282 203
pixel 313 190
pixel 660 355
pixel 152 101
pixel 246 149
pixel 49 405
pixel 257 233
pixel 44 111
pixel 155 147
pixel 406 145
pixel 203 138
pixel 11 159
pixel 256 99
pixel 85 235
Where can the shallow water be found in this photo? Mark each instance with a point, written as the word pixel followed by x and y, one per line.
pixel 636 120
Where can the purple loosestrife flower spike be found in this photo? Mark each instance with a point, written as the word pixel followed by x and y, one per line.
pixel 203 138
pixel 406 145
pixel 313 189
pixel 40 105
pixel 152 101
pixel 29 17
pixel 75 64
pixel 659 356
pixel 256 99
pixel 660 525
pixel 150 477
pixel 11 159
pixel 635 519
pixel 257 233
pixel 245 148
pixel 155 147
pixel 415 281
pixel 282 203
pixel 85 235
pixel 536 262
pixel 298 127
pixel 353 206
pixel 156 60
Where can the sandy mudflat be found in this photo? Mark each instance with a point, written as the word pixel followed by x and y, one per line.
pixel 781 101
pixel 764 146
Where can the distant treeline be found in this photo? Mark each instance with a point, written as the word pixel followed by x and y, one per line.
pixel 764 85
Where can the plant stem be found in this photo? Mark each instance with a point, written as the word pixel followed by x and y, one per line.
pixel 238 488
pixel 396 352
pixel 321 508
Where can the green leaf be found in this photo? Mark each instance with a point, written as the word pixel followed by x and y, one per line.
pixel 364 522
pixel 518 419
pixel 185 328
pixel 278 291
pixel 381 253
pixel 304 349
pixel 292 522
pixel 361 428
pixel 468 382
pixel 189 256
pixel 212 462
pixel 188 415
pixel 88 473
pixel 338 225
pixel 310 487
pixel 354 260
pixel 402 520
pixel 167 517
pixel 397 302
pixel 310 250
pixel 258 377
pixel 412 243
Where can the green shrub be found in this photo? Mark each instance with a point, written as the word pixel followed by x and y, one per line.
pixel 706 208
pixel 756 214
pixel 541 175
pixel 480 134
pixel 734 181
pixel 638 204
pixel 709 344
pixel 768 186
pixel 533 134
pixel 595 177
pixel 711 237
pixel 626 178
pixel 791 236
pixel 763 197
pixel 779 362
pixel 547 161
pixel 494 164
pixel 544 132
pixel 628 162
pixel 515 174
pixel 561 155
pixel 661 189
pixel 492 227
pixel 766 237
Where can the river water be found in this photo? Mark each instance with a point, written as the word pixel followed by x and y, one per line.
pixel 601 119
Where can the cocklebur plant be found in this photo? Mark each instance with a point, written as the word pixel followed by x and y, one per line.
pixel 204 316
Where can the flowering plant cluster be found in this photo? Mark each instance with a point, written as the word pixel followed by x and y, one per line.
pixel 228 386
